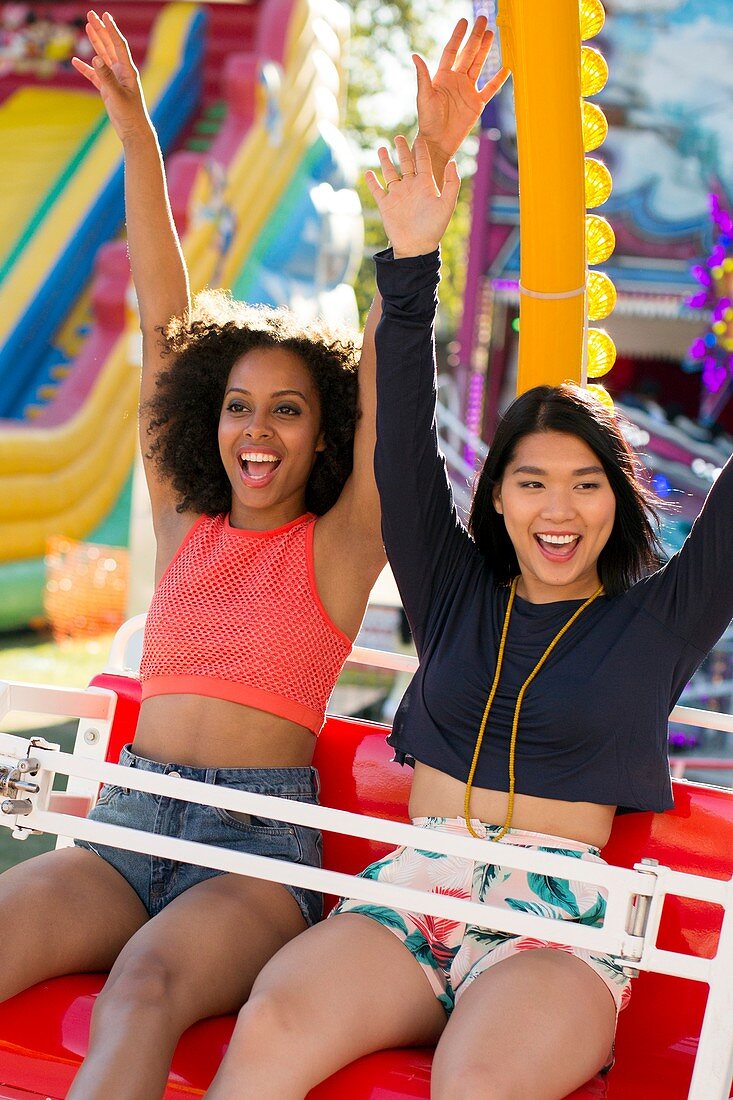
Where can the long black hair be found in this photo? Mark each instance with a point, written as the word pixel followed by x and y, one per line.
pixel 633 546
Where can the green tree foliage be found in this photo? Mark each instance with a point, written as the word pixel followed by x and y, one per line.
pixel 384 36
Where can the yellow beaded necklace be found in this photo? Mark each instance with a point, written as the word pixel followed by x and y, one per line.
pixel 515 724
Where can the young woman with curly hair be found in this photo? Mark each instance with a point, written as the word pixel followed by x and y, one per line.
pixel 258 437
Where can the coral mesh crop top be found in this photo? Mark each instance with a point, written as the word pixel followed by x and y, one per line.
pixel 237 616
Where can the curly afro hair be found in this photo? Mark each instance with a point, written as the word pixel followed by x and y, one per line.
pixel 204 344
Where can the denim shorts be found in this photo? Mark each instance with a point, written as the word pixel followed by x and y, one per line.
pixel 158 881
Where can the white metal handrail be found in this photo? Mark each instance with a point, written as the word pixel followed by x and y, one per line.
pixel 622 884
pixel 635 898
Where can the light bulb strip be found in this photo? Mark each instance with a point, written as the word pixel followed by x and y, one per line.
pixel 601 296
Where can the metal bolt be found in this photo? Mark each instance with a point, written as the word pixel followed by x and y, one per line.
pixel 29 766
pixel 20 806
pixel 91 736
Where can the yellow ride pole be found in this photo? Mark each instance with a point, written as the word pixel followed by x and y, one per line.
pixel 541 43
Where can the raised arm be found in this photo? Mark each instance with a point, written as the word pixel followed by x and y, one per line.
pixel 158 269
pixel 422 532
pixel 448 107
pixel 449 104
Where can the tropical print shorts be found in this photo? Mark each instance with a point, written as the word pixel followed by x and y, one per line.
pixel 451 954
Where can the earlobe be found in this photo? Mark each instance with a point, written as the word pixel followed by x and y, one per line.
pixel 496 500
pixel 321 444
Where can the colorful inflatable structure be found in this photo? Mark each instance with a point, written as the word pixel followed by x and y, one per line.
pixel 247 99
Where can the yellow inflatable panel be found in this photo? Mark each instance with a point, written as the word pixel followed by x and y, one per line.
pixel 40 131
pixel 70 208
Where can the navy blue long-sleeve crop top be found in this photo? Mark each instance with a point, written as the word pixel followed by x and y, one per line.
pixel 593 725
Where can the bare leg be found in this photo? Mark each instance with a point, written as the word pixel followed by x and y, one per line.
pixel 197 958
pixel 93 909
pixel 538 1025
pixel 343 989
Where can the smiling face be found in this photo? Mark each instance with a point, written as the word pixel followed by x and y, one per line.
pixel 559 509
pixel 269 437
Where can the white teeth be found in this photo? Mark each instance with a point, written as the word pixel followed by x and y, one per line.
pixel 558 540
pixel 256 456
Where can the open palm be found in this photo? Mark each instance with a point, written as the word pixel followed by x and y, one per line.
pixel 450 103
pixel 414 211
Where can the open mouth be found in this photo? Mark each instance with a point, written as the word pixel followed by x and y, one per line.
pixel 258 469
pixel 557 548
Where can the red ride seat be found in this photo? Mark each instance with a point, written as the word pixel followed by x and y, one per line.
pixel 44 1031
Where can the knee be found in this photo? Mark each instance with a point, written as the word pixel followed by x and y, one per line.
pixel 268 1021
pixel 141 983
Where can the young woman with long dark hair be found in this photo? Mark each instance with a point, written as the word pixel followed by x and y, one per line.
pixel 552 648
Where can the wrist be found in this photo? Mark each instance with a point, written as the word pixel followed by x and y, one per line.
pixel 425 248
pixel 139 135
pixel 439 156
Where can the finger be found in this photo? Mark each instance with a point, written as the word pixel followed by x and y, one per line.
pixel 421 156
pixel 404 155
pixel 491 87
pixel 86 71
pixel 451 185
pixel 473 45
pixel 389 172
pixel 121 44
pixel 453 45
pixel 424 83
pixel 100 40
pixel 375 187
pixel 479 60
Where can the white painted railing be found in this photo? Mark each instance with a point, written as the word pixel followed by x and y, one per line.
pixel 635 898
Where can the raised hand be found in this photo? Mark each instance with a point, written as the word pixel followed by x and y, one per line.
pixel 415 213
pixel 113 74
pixel 450 103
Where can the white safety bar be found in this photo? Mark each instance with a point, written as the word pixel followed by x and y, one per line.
pixel 635 898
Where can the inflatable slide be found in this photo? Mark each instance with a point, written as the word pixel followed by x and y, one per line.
pixel 246 100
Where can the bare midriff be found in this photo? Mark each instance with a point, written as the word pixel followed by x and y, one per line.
pixel 435 794
pixel 202 732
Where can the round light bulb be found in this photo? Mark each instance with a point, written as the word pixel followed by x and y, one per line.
pixel 598 183
pixel 719 327
pixel 601 394
pixel 600 238
pixel 595 126
pixel 593 70
pixel 601 295
pixel 592 18
pixel 601 353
